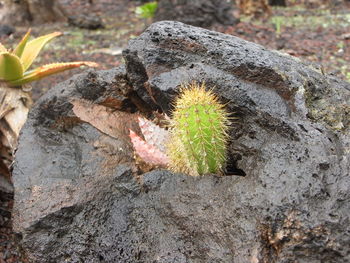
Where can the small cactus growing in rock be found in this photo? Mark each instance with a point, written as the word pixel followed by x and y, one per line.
pixel 199 139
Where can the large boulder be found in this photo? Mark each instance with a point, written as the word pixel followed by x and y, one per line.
pixel 78 199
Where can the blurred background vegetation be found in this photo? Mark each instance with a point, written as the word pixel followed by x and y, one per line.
pixel 98 30
pixel 317 31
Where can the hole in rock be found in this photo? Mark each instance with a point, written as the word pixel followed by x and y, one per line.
pixel 324 166
pixel 231 166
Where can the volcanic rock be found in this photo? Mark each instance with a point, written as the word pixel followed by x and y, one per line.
pixel 77 198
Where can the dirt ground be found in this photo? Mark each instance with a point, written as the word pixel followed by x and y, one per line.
pixel 319 33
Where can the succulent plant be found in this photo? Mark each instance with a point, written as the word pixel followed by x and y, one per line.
pixel 151 150
pixel 14 64
pixel 199 125
pixel 16 102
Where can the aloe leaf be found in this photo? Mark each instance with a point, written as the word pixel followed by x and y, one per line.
pixel 2 48
pixel 21 45
pixel 10 67
pixel 49 69
pixel 33 47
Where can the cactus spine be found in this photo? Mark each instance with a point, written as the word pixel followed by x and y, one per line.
pixel 198 132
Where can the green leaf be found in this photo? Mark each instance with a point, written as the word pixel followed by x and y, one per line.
pixel 147 10
pixel 10 67
pixel 21 45
pixel 32 49
pixel 49 69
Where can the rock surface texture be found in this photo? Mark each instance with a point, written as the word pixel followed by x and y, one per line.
pixel 77 198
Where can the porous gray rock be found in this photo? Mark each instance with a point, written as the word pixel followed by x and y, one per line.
pixel 290 144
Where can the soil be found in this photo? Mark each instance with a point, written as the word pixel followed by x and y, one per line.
pixel 319 33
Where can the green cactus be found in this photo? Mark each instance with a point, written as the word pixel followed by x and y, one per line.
pixel 199 137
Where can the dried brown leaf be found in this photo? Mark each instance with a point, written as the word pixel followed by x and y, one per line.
pixel 113 123
pixel 14 108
